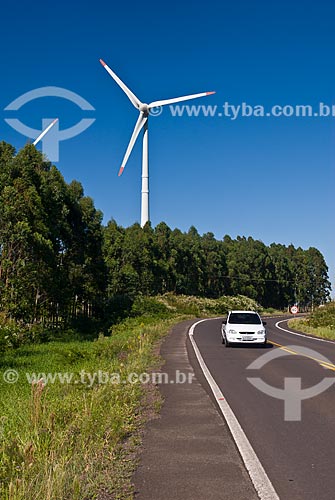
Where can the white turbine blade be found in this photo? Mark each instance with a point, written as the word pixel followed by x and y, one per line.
pixel 45 132
pixel 132 97
pixel 178 99
pixel 139 125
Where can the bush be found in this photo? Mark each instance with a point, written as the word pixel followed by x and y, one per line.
pixel 199 306
pixel 15 334
pixel 143 306
pixel 11 335
pixel 324 316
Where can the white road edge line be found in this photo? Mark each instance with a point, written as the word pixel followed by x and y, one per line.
pixel 301 334
pixel 258 476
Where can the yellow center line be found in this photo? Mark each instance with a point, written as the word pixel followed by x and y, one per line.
pixel 284 348
pixel 325 364
pixel 328 366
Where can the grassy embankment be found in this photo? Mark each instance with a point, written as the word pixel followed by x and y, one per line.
pixel 320 323
pixel 77 440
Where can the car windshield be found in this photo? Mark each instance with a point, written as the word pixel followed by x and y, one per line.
pixel 244 319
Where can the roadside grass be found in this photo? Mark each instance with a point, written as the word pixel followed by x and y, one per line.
pixel 320 323
pixel 302 326
pixel 271 311
pixel 75 437
pixel 199 306
pixel 66 440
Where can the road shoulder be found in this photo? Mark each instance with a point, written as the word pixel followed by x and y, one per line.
pixel 188 453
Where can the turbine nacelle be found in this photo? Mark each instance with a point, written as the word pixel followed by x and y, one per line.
pixel 144 108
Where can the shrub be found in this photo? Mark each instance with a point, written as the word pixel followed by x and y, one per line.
pixel 324 316
pixel 148 306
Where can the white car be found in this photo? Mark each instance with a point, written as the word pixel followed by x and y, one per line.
pixel 242 327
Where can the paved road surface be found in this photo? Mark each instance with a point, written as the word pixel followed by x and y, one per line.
pixel 188 453
pixel 298 456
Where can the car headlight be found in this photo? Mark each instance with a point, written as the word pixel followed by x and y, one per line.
pixel 261 332
pixel 232 331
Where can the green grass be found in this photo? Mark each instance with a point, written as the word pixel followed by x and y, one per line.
pixel 271 311
pixel 199 306
pixel 302 326
pixel 67 441
pixel 320 323
pixel 78 440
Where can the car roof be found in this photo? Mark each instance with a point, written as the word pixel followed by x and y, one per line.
pixel 252 312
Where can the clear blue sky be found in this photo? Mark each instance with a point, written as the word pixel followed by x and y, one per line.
pixel 269 178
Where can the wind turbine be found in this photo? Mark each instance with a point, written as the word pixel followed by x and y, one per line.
pixel 45 131
pixel 142 122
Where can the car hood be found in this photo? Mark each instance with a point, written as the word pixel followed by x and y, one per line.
pixel 244 328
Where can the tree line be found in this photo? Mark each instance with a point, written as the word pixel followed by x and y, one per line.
pixel 154 261
pixel 51 237
pixel 58 262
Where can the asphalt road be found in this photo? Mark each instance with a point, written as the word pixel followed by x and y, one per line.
pixel 188 453
pixel 298 456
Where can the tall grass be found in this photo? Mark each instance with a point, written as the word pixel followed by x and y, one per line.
pixel 320 323
pixel 65 441
pixel 200 306
pixel 69 440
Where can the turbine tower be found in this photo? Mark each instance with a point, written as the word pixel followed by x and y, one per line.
pixel 142 122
